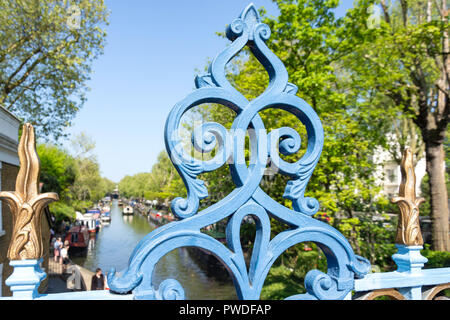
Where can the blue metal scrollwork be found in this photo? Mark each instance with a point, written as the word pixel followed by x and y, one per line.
pixel 247 198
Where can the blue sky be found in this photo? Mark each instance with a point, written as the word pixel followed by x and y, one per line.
pixel 149 63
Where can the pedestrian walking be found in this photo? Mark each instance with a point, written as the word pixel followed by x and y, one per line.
pixel 64 255
pixel 57 249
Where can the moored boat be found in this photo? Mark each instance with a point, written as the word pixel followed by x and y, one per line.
pixel 128 210
pixel 91 219
pixel 78 238
pixel 94 212
pixel 106 214
pixel 106 217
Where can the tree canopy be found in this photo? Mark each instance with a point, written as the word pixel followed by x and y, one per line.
pixel 162 183
pixel 76 178
pixel 46 52
pixel 402 67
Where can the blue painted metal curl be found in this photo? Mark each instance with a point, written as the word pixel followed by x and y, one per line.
pixel 247 198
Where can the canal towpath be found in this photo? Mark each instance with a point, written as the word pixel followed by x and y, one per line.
pixel 57 278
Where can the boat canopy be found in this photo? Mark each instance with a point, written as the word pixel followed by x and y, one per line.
pixel 94 211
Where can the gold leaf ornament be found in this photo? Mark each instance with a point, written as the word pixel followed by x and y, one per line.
pixel 408 230
pixel 26 204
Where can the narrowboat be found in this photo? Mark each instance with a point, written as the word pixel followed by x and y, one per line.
pixel 78 238
pixel 106 214
pixel 95 213
pixel 91 219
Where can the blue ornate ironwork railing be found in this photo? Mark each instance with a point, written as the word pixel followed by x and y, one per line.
pixel 247 198
pixel 346 272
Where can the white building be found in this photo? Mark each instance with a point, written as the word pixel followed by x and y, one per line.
pixel 9 167
pixel 9 139
pixel 388 173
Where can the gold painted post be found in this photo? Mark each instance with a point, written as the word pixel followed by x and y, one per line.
pixel 27 206
pixel 408 229
pixel 409 239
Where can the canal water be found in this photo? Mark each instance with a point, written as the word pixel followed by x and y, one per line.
pixel 115 241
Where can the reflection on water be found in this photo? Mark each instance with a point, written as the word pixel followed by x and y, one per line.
pixel 116 240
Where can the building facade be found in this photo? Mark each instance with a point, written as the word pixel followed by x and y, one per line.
pixel 9 168
pixel 388 173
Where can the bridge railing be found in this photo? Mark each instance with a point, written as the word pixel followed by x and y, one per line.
pixel 347 275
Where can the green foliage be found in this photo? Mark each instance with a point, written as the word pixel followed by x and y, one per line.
pixel 162 183
pixel 425 207
pixel 62 210
pixel 89 185
pixel 372 238
pixel 287 276
pixel 280 284
pixel 58 169
pixel 76 179
pixel 436 259
pixel 400 68
pixel 46 52
pixel 215 233
pixel 308 257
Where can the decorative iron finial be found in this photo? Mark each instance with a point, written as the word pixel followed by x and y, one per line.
pixel 408 229
pixel 26 204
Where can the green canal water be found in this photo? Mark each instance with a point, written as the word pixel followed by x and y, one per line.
pixel 115 241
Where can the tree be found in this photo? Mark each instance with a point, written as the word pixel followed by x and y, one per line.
pixel 58 173
pixel 76 178
pixel 405 135
pixel 406 60
pixel 89 184
pixel 58 170
pixel 46 51
pixel 83 146
pixel 135 186
pixel 307 37
pixel 163 182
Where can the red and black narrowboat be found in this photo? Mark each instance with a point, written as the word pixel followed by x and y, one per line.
pixel 78 238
